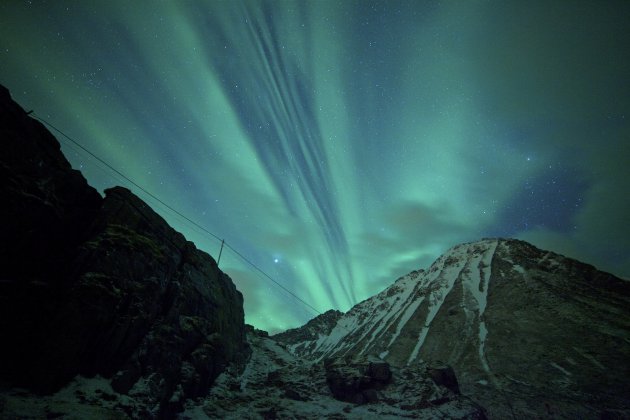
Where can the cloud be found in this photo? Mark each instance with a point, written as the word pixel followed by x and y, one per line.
pixel 356 145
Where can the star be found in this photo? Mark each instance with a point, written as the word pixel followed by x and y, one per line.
pixel 351 156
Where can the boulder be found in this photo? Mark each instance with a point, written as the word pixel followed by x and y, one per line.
pixel 356 380
pixel 443 375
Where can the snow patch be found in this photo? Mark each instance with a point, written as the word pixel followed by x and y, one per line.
pixel 483 331
pixel 405 318
pixel 477 281
pixel 396 304
pixel 560 368
pixel 518 269
pixel 589 358
pixel 444 278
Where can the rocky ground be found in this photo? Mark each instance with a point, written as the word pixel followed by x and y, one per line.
pixel 275 384
pixel 272 384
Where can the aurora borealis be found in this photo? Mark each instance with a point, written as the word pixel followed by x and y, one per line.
pixel 341 144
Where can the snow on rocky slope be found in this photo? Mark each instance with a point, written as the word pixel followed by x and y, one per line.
pixel 379 324
pixel 528 332
pixel 272 383
pixel 276 384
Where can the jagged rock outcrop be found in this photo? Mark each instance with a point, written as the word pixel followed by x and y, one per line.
pixel 357 380
pixel 529 333
pixel 309 333
pixel 92 285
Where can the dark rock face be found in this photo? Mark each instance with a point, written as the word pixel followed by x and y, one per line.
pixel 443 375
pixel 356 380
pixel 320 325
pixel 101 286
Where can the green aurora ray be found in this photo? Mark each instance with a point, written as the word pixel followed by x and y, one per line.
pixel 340 145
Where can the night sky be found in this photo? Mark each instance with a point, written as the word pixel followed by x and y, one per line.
pixel 341 144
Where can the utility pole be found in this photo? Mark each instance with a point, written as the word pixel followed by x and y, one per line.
pixel 220 251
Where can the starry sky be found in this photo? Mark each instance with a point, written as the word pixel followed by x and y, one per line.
pixel 339 145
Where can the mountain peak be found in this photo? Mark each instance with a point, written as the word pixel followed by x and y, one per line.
pixel 503 313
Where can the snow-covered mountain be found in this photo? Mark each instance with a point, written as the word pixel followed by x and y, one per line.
pixel 528 332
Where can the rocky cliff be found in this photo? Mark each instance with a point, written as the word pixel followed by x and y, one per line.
pixel 92 285
pixel 528 332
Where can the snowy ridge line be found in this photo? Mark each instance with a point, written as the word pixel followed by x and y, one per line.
pixel 343 340
pixel 385 315
pixel 426 279
pixel 368 321
pixel 349 324
pixel 382 318
pixel 393 312
pixel 485 269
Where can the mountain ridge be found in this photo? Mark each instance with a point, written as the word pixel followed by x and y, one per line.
pixel 496 310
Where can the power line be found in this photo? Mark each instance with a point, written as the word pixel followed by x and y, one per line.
pixel 271 278
pixel 187 219
pixel 178 213
pixel 144 190
pixel 98 165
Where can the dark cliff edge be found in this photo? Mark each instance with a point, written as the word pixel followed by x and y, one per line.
pixel 92 285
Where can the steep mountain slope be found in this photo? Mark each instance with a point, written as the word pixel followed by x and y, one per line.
pixel 528 332
pixel 92 285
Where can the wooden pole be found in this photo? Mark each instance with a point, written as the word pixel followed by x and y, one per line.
pixel 220 251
